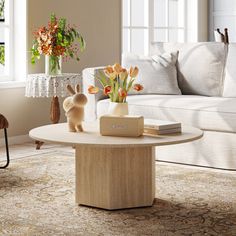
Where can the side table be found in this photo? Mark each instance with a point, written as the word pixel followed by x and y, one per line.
pixel 42 85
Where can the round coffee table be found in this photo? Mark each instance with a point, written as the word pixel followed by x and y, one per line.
pixel 113 172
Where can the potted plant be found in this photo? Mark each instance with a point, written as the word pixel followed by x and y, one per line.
pixel 116 83
pixel 56 41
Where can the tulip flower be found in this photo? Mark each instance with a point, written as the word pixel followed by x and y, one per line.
pixel 117 68
pixel 122 93
pixel 107 90
pixel 133 71
pixel 138 87
pixel 93 90
pixel 123 74
pixel 108 70
pixel 110 73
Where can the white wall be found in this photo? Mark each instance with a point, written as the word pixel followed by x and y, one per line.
pixel 203 11
pixel 100 24
pixel 223 15
pixel 98 21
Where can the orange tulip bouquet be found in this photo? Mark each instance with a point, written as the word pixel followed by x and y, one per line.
pixel 116 82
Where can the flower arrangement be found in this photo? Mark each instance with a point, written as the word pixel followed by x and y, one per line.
pixel 117 82
pixel 55 40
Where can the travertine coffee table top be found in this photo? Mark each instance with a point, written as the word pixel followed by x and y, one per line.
pixel 58 133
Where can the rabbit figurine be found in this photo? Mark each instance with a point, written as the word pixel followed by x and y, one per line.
pixel 74 108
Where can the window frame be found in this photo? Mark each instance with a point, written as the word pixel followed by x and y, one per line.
pixel 19 44
pixel 150 26
pixel 8 25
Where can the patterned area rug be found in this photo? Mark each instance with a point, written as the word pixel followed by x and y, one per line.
pixel 37 198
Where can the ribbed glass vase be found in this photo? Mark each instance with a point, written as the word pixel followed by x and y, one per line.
pixel 53 65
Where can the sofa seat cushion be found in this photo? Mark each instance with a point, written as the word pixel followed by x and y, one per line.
pixel 207 113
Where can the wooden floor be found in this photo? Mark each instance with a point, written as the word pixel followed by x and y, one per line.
pixel 28 149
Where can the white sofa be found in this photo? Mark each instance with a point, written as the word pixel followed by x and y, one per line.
pixel 207 79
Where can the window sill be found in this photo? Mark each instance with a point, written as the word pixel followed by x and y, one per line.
pixel 12 84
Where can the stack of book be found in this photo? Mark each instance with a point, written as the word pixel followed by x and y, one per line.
pixel 158 127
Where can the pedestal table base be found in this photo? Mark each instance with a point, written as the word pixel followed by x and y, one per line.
pixel 115 178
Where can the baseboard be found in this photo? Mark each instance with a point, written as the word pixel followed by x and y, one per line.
pixel 16 140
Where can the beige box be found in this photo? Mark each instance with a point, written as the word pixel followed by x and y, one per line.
pixel 126 126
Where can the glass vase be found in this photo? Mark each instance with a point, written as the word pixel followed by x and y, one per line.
pixel 53 65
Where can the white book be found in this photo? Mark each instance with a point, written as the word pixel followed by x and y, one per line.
pixel 161 124
pixel 162 132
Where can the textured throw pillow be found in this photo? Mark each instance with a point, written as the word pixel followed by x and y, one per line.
pixel 157 74
pixel 200 66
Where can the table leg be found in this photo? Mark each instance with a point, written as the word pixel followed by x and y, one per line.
pixel 55 110
pixel 38 144
pixel 115 178
pixel 54 116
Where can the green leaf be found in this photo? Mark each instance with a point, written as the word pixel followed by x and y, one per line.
pixel 62 24
pixel 53 18
pixel 74 32
pixel 82 43
pixel 130 84
pixel 125 82
pixel 67 39
pixel 32 60
pixel 2 54
pixel 116 88
pixel 60 37
pixel 102 78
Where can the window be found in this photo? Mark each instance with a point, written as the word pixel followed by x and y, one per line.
pixel 6 39
pixel 169 19
pixel 223 15
pixel 13 43
pixel 147 21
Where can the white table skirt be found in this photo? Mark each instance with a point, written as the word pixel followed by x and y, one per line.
pixel 42 85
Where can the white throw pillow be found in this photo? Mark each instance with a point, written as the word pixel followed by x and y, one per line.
pixel 157 74
pixel 200 66
pixel 230 73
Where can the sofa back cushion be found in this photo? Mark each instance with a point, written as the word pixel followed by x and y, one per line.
pixel 200 66
pixel 230 72
pixel 157 74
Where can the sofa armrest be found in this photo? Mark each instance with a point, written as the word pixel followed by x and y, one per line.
pixel 89 78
